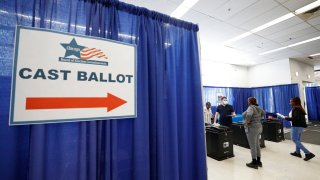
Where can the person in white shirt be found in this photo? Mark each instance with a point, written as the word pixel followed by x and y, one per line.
pixel 207 114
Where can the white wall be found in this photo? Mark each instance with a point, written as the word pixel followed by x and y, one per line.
pixel 269 74
pixel 303 71
pixel 317 74
pixel 225 75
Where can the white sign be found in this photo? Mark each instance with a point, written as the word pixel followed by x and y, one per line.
pixel 66 77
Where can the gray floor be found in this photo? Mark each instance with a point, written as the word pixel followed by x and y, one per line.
pixel 278 164
pixel 310 135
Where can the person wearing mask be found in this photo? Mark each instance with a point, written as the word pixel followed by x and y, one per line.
pixel 298 119
pixel 225 112
pixel 253 127
pixel 207 114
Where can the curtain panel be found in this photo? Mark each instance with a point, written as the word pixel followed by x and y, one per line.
pixel 165 141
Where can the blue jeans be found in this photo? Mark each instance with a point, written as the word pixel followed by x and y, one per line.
pixel 296 138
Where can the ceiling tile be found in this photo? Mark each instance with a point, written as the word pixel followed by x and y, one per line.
pixel 245 15
pixel 308 48
pixel 282 1
pixel 231 8
pixel 257 46
pixel 301 38
pixel 212 29
pixel 280 26
pixel 315 21
pixel 247 40
pixel 293 5
pixel 283 54
pixel 252 11
pixel 317 26
pixel 292 32
pixel 207 6
pixel 264 18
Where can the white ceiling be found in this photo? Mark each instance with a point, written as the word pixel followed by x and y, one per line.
pixel 221 20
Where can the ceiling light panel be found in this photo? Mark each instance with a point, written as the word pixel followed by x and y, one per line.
pixel 308 5
pixel 293 32
pixel 283 26
pixel 308 48
pixel 184 7
pixel 317 54
pixel 284 54
pixel 273 22
pixel 304 42
pixel 265 18
pixel 301 39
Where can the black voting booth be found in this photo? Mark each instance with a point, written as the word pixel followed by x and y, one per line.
pixel 240 137
pixel 219 142
pixel 273 130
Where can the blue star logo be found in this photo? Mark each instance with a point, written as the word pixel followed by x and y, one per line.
pixel 72 48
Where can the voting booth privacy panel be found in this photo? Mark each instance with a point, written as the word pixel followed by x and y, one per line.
pixel 144 136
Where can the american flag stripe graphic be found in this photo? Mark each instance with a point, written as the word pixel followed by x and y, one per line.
pixel 89 53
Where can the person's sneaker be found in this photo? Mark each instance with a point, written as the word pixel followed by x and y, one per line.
pixel 296 154
pixel 252 165
pixel 309 156
pixel 259 164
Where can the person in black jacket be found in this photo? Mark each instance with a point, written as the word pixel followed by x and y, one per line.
pixel 297 117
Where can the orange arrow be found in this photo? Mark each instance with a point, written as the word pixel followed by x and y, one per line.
pixel 110 102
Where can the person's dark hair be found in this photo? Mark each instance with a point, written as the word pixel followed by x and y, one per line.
pixel 252 101
pixel 223 97
pixel 297 102
pixel 208 103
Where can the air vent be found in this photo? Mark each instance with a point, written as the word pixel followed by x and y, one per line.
pixel 312 13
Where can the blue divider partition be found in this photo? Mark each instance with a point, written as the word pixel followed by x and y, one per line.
pixel 274 99
pixel 313 103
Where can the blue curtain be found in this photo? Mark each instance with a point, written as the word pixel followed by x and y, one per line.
pixel 210 94
pixel 264 98
pixel 165 141
pixel 273 99
pixel 240 97
pixel 313 103
pixel 282 95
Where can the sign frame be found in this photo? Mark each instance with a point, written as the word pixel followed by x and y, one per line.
pixel 44 121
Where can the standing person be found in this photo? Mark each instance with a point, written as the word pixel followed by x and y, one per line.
pixel 298 119
pixel 225 112
pixel 253 127
pixel 207 114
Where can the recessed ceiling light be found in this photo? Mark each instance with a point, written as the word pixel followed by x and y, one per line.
pixel 237 38
pixel 307 7
pixel 315 54
pixel 305 41
pixel 273 22
pixel 184 7
pixel 291 45
pixel 276 21
pixel 274 50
